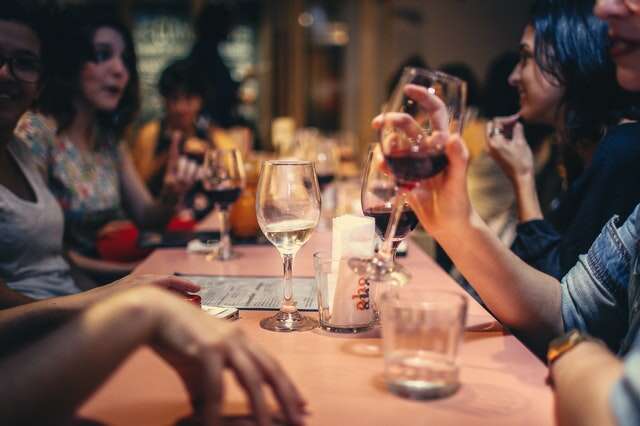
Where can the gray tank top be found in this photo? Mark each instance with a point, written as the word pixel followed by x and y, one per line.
pixel 31 236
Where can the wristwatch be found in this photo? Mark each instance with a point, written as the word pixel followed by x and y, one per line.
pixel 563 344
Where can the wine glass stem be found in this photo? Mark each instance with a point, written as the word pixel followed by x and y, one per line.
pixel 387 251
pixel 287 282
pixel 225 239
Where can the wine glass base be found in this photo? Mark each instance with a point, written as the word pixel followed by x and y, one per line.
pixel 288 321
pixel 218 255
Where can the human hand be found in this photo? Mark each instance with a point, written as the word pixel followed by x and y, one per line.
pixel 142 280
pixel 434 108
pixel 512 154
pixel 199 348
pixel 442 202
pixel 181 172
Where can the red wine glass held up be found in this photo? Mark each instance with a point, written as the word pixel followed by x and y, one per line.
pixel 424 109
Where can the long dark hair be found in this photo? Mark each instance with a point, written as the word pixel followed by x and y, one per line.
pixel 75 48
pixel 571 46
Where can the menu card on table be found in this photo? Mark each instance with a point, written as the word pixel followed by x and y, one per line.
pixel 260 293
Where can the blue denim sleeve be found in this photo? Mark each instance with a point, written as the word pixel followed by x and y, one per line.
pixel 594 291
pixel 537 244
pixel 624 398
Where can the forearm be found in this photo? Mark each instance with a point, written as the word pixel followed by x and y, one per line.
pixel 10 298
pixel 584 378
pixel 100 268
pixel 521 297
pixel 99 339
pixel 527 198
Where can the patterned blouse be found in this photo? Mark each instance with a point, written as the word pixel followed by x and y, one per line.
pixel 86 184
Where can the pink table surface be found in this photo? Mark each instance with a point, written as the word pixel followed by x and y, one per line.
pixel 341 377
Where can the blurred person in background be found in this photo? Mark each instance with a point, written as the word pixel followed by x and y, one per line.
pixel 89 101
pixel 181 86
pixel 566 80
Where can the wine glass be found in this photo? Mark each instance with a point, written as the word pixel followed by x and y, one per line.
pixel 288 210
pixel 222 181
pixel 424 108
pixel 378 196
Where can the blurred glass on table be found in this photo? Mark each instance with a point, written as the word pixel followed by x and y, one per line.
pixel 421 331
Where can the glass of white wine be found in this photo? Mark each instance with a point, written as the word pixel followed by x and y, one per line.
pixel 288 210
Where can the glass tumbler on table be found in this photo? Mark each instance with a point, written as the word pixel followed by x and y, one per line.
pixel 421 331
pixel 424 109
pixel 288 210
pixel 222 181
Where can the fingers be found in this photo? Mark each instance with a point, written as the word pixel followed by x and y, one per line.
pixel 457 154
pixel 175 283
pixel 250 378
pixel 288 395
pixel 213 390
pixel 518 132
pixel 432 104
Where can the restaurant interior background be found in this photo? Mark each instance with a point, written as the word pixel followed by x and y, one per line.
pixel 325 63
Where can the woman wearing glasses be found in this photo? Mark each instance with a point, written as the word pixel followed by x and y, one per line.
pixel 86 107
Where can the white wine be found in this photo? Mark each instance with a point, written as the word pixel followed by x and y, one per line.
pixel 289 235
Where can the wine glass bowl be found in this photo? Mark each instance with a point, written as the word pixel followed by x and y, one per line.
pixel 378 195
pixel 425 107
pixel 288 210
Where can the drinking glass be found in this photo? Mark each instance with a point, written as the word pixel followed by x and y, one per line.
pixel 421 331
pixel 378 195
pixel 222 181
pixel 424 108
pixel 288 210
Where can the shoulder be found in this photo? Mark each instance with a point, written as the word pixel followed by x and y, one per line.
pixel 37 131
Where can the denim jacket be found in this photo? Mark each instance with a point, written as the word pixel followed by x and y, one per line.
pixel 601 296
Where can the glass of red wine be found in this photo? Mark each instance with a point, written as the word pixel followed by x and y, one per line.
pixel 222 181
pixel 378 195
pixel 424 109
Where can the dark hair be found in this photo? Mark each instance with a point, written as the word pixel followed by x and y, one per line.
pixel 37 15
pixel 571 47
pixel 75 48
pixel 464 72
pixel 181 76
pixel 414 61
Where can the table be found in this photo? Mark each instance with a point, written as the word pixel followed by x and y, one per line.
pixel 341 376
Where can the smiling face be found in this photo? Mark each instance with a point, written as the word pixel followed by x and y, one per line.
pixel 623 18
pixel 16 41
pixel 539 97
pixel 104 78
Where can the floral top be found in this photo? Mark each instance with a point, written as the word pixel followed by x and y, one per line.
pixel 86 184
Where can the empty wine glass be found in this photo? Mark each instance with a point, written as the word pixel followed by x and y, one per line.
pixel 288 210
pixel 424 109
pixel 222 181
pixel 378 196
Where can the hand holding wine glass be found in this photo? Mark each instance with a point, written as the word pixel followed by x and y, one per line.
pixel 424 109
pixel 288 210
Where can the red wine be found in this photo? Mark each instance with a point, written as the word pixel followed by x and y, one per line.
pixel 412 167
pixel 224 197
pixel 324 180
pixel 381 214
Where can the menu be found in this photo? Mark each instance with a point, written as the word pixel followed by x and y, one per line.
pixel 260 293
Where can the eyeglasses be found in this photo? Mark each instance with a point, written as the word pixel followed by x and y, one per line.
pixel 23 68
